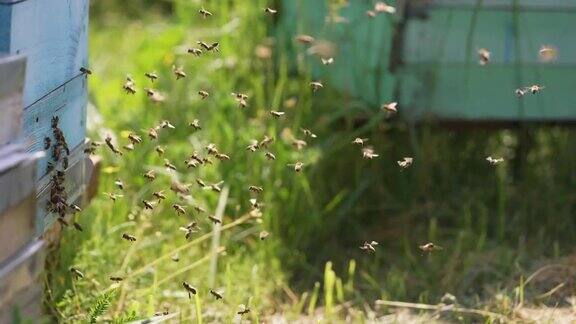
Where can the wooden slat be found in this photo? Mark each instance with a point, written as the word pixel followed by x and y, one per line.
pixel 52 34
pixel 17 226
pixel 11 96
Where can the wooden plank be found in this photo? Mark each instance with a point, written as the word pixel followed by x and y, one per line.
pixel 21 271
pixel 12 70
pixel 52 34
pixel 68 103
pixel 25 306
pixel 17 226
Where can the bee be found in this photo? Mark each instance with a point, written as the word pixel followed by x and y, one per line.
pixel 380 7
pixel 270 156
pixel 316 85
pixel 205 13
pixel 195 124
pixel 216 294
pixel 119 184
pixel 243 310
pixel 212 149
pixel 370 247
pixel 129 237
pixel 201 183
pixel 263 235
pixel 360 141
pixel 179 209
pixel 299 144
pixel 169 165
pixel 113 196
pixel 129 86
pixel 327 61
pixel 192 163
pixel 199 209
pixel 195 51
pixel 494 161
pixel 265 141
pixel 77 273
pixel 178 72
pixel 166 124
pixel 535 89
pixel 215 220
pixel 241 99
pixel 308 133
pixel 76 208
pixel 520 92
pixel 216 186
pixel 484 56
pixel 63 222
pixel 134 139
pixel 150 175
pixel 240 95
pixel 128 147
pixel 116 279
pixel 429 247
pixel 160 150
pixel 86 70
pixel 191 290
pixel 371 13
pixel 547 53
pixel 391 107
pixel 305 39
pixel 277 114
pixel 209 47
pixel 222 157
pixel 148 204
pixel 253 146
pixel 204 94
pixel 256 189
pixel 180 188
pixel 175 258
pixel 270 11
pixel 152 76
pixel 47 143
pixel 108 141
pixel 368 153
pixel 405 162
pixel 159 194
pixel 155 96
pixel 297 166
pixel 153 133
pixel 78 227
pixel 254 203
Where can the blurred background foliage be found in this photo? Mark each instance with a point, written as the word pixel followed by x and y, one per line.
pixel 496 224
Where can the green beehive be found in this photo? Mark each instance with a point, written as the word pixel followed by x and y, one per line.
pixel 425 56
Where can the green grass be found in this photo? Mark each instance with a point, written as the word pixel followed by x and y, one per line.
pixel 493 223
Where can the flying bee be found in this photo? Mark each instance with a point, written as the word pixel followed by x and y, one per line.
pixel 216 294
pixel 316 85
pixel 159 194
pixel 210 47
pixel 265 141
pixel 429 247
pixel 192 163
pixel 62 221
pixel 222 157
pixel 204 94
pixel 216 186
pixel 111 146
pixel 175 258
pixel 160 150
pixel 191 290
pixel 195 51
pixel 78 227
pixel 277 114
pixel 199 209
pixel 85 70
pixel 195 124
pixel 77 273
pixel 240 95
pixel 148 204
pixel 263 235
pixel 205 13
pixel 547 53
pixel 201 183
pixel 256 189
pixel 179 209
pixel 119 184
pixel 116 279
pixel 153 133
pixel 243 310
pixel 270 11
pixel 150 175
pixel 129 86
pixel 406 162
pixel 113 196
pixel 391 107
pixel 134 139
pixel 380 7
pixel 299 144
pixel 155 96
pixel 520 92
pixel 129 237
pixel 535 89
pixel 215 220
pixel 76 208
pixel 305 39
pixel 297 166
pixel 368 153
pixel 178 72
pixel 166 124
pixel 327 61
pixel 169 165
pixel 308 133
pixel 253 146
pixel 360 141
pixel 212 149
pixel 494 161
pixel 47 143
pixel 484 56
pixel 370 247
pixel 180 188
pixel 152 76
pixel 270 156
pixel 128 147
pixel 241 99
